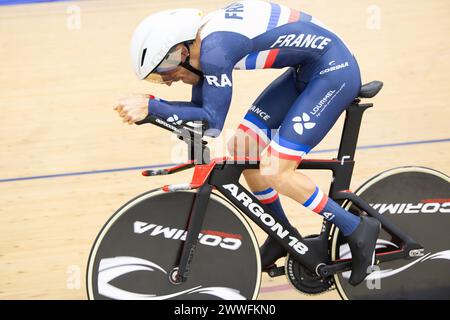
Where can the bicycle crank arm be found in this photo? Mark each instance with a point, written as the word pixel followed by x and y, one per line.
pixel 329 270
pixel 275 271
pixel 342 266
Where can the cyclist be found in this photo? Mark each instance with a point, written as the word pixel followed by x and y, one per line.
pixel 286 121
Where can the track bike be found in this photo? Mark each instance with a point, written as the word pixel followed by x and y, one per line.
pixel 194 241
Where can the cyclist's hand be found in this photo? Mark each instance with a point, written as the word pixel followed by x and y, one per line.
pixel 133 108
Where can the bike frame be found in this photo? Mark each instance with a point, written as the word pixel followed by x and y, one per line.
pixel 223 175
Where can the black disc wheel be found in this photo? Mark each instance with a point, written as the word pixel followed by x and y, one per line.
pixel 136 253
pixel 417 200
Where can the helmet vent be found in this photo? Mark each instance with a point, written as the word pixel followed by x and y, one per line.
pixel 143 56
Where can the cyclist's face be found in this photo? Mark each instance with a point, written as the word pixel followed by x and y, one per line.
pixel 171 76
pixel 179 73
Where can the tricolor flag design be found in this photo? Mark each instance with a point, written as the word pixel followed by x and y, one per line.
pixel 267 196
pixel 265 59
pixel 317 201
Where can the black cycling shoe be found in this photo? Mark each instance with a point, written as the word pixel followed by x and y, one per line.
pixel 270 252
pixel 362 244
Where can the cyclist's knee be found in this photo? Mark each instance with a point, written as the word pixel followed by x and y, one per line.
pixel 275 171
pixel 231 145
pixel 243 145
pixel 277 179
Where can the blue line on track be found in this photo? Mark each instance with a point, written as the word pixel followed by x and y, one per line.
pixel 89 172
pixel 16 2
pixel 375 146
pixel 387 145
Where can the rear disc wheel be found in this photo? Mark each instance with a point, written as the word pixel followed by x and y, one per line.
pixel 417 200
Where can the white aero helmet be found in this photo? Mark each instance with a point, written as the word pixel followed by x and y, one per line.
pixel 157 34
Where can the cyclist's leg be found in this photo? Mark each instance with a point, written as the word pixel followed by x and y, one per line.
pixel 308 121
pixel 254 133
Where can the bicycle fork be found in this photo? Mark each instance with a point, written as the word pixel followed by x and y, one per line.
pixel 179 274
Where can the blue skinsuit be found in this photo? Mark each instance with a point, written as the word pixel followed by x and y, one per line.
pixel 295 112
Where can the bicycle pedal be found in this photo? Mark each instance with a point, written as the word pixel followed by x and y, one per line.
pixel 275 271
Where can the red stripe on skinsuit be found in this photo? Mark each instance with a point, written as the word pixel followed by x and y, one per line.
pixel 271 58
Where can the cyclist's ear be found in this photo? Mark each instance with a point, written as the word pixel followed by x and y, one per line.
pixel 184 54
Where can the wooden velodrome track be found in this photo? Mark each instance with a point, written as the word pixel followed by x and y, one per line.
pixel 59 77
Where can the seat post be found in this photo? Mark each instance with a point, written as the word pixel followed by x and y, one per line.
pixel 350 131
pixel 342 174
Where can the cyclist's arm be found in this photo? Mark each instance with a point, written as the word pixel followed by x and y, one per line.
pixel 196 100
pixel 212 113
pixel 220 52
